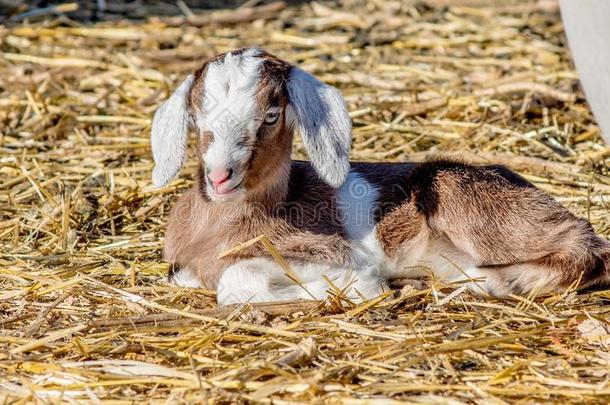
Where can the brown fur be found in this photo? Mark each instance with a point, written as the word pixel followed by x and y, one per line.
pixel 285 200
pixel 498 219
pixel 402 224
pixel 502 222
pixel 303 227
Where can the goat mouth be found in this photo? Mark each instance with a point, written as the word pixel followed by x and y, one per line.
pixel 228 192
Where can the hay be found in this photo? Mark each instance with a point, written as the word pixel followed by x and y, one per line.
pixel 84 310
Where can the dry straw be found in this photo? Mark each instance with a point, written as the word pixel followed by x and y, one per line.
pixel 85 315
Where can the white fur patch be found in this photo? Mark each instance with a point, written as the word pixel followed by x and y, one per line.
pixel 372 247
pixel 443 259
pixel 324 124
pixel 418 257
pixel 357 201
pixel 514 279
pixel 185 278
pixel 263 280
pixel 168 135
pixel 229 107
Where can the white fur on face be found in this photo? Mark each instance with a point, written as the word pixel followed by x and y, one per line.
pixel 229 107
pixel 230 112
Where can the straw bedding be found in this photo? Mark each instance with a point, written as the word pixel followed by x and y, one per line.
pixel 85 314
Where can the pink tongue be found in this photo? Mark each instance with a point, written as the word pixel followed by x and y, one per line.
pixel 222 190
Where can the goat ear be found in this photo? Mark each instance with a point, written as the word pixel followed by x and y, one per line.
pixel 168 135
pixel 324 124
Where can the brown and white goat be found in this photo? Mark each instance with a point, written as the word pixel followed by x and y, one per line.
pixel 356 225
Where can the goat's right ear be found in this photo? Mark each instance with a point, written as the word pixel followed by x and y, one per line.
pixel 168 134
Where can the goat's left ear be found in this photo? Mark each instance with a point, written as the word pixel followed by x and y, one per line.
pixel 169 133
pixel 324 124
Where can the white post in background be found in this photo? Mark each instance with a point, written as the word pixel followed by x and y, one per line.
pixel 587 26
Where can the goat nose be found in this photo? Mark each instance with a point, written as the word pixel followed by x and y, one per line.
pixel 219 176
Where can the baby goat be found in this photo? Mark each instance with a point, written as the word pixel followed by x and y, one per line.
pixel 355 226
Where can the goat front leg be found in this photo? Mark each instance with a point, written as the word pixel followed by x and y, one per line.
pixel 263 280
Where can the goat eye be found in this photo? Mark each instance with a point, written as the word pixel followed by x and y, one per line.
pixel 271 117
